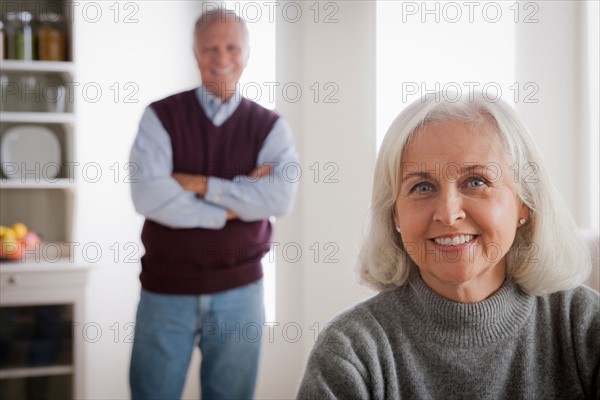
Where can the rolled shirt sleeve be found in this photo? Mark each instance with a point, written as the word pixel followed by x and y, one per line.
pixel 155 193
pixel 255 199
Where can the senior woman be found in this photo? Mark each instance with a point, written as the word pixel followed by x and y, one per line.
pixel 478 264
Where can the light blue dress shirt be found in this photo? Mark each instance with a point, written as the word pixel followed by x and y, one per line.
pixel 158 196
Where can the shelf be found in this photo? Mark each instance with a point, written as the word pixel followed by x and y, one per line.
pixel 13 373
pixel 47 256
pixel 37 117
pixel 65 67
pixel 47 212
pixel 63 183
pixel 30 265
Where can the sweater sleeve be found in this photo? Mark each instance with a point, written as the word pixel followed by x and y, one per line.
pixel 334 371
pixel 585 325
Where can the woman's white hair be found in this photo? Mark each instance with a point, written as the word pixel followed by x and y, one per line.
pixel 547 254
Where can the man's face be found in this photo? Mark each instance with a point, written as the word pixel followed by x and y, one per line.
pixel 221 52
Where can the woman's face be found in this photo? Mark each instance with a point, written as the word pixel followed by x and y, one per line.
pixel 458 210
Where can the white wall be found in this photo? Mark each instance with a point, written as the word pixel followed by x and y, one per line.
pixel 155 55
pixel 551 55
pixel 308 293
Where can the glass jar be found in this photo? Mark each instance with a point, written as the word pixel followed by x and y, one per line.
pixel 10 93
pixel 31 93
pixel 23 37
pixel 11 27
pixel 2 40
pixel 50 38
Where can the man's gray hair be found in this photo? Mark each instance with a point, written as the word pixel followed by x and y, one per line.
pixel 219 14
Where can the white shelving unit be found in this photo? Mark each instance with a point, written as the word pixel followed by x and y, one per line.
pixel 46 288
pixel 33 372
pixel 27 291
pixel 58 183
pixel 65 67
pixel 31 200
pixel 37 118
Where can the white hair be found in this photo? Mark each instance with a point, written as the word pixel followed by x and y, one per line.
pixel 221 14
pixel 547 254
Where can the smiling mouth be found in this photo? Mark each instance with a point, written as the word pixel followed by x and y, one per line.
pixel 455 240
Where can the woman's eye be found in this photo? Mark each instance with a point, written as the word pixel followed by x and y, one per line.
pixel 422 188
pixel 476 182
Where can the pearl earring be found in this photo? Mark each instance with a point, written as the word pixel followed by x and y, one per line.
pixel 522 221
pixel 398 229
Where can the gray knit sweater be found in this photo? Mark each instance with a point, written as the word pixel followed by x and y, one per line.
pixel 411 343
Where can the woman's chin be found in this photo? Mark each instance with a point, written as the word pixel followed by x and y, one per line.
pixel 462 277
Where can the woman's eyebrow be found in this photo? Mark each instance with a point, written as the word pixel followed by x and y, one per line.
pixel 421 174
pixel 442 171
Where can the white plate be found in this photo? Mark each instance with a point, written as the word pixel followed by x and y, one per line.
pixel 30 153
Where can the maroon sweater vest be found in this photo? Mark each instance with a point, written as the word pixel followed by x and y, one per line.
pixel 200 261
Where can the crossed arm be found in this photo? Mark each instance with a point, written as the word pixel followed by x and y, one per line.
pixel 190 201
pixel 199 183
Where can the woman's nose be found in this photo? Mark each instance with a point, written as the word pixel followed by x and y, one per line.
pixel 449 208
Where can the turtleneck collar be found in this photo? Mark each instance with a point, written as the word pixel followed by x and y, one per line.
pixel 468 324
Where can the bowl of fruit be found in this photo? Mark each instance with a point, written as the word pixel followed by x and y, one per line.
pixel 15 240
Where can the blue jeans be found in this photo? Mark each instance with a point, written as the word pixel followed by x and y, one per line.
pixel 226 326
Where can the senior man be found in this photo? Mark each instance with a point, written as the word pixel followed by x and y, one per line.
pixel 209 177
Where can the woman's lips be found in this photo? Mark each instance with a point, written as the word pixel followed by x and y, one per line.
pixel 454 242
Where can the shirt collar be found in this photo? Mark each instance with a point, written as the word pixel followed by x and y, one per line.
pixel 214 108
pixel 205 96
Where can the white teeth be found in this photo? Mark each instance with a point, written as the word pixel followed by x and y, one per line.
pixel 456 240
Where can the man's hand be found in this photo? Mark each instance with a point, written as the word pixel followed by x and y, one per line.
pixel 192 183
pixel 259 172
pixel 198 183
